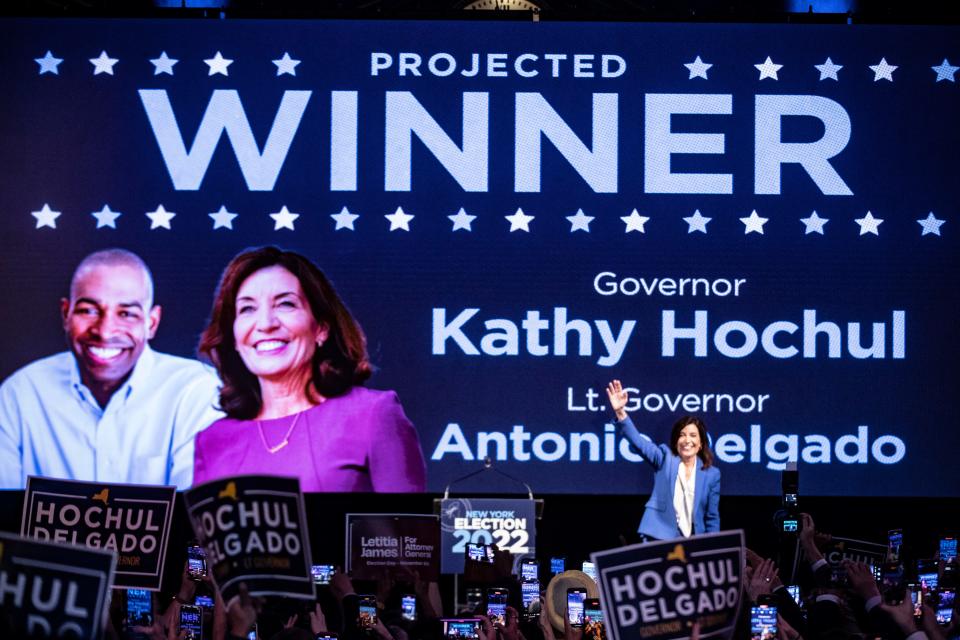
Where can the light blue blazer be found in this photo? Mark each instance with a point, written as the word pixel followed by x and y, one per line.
pixel 659 517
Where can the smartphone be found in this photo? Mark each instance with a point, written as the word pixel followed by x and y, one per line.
pixel 590 569
pixel 530 570
pixel 948 550
pixel 253 634
pixel 593 627
pixel 530 596
pixel 497 605
pixel 139 612
pixel 326 635
pixel 204 602
pixel 947 598
pixel 191 621
pixel 763 622
pixel 468 628
pixel 408 607
pixel 894 543
pixel 916 597
pixel 196 563
pixel 575 599
pixel 928 575
pixel 479 553
pixel 474 598
pixel 557 565
pixel 367 616
pixel 794 591
pixel 321 573
pixel 791 525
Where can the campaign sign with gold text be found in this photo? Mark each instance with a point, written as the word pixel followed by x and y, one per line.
pixel 54 590
pixel 254 531
pixel 658 590
pixel 132 520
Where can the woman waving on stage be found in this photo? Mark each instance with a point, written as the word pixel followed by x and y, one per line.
pixel 686 489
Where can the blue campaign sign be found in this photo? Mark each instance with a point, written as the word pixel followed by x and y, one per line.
pixel 751 223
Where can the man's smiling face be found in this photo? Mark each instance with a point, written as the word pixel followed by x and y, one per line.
pixel 108 320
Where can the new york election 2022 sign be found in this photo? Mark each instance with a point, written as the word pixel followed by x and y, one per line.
pixel 131 520
pixel 254 531
pixel 753 223
pixel 660 589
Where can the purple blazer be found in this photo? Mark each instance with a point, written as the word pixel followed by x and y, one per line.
pixel 360 441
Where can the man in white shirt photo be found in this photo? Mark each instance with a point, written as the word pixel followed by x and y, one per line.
pixel 110 408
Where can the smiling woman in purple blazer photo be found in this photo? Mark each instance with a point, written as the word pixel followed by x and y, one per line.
pixel 293 361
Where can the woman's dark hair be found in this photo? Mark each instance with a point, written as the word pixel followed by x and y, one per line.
pixel 340 363
pixel 704 454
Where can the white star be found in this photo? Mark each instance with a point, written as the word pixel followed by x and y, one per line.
pixel 519 221
pixel 160 218
pixel 697 222
pixel 283 219
pixel 399 220
pixel 218 64
pixel 753 223
pixel 580 221
pixel 46 217
pixel 344 219
pixel 103 63
pixel 944 71
pixel 163 64
pixel 286 64
pixel 634 222
pixel 828 70
pixel 814 223
pixel 222 219
pixel 106 218
pixel 48 64
pixel 930 224
pixel 768 69
pixel 462 220
pixel 869 224
pixel 882 70
pixel 698 69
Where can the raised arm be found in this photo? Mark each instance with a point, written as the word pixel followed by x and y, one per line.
pixel 618 397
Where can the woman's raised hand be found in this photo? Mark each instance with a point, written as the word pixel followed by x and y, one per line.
pixel 618 399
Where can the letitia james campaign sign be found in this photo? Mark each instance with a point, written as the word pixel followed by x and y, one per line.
pixel 747 222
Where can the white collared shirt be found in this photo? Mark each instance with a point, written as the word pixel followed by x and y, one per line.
pixel 683 500
pixel 52 426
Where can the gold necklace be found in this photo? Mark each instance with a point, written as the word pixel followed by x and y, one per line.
pixel 286 438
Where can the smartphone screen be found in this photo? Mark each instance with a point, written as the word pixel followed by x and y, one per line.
pixel 367 618
pixel 557 565
pixel 321 573
pixel 408 607
pixel 593 628
pixel 497 605
pixel 468 628
pixel 928 580
pixel 791 525
pixel 252 634
pixel 590 569
pixel 139 608
pixel 945 606
pixel 196 562
pixel 325 636
pixel 204 602
pixel 530 595
pixel 763 622
pixel 794 591
pixel 916 597
pixel 529 570
pixel 191 621
pixel 948 550
pixel 575 599
pixel 894 542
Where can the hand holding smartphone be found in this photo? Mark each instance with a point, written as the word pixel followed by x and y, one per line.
pixel 497 605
